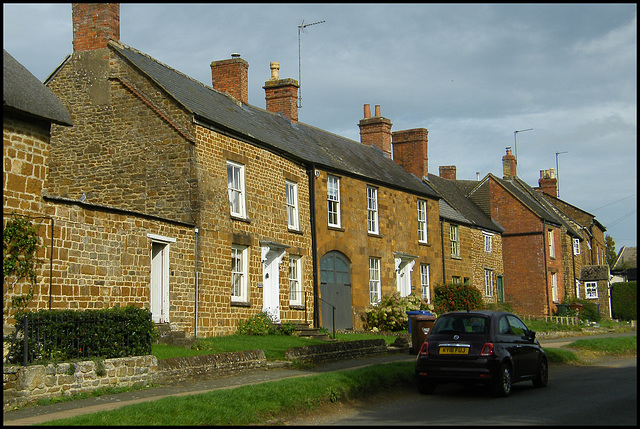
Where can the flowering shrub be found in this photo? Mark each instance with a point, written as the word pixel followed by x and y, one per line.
pixel 262 324
pixel 453 297
pixel 390 314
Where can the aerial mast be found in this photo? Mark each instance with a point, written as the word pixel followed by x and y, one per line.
pixel 301 27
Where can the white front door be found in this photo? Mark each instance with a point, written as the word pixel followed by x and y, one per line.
pixel 271 259
pixel 403 275
pixel 159 282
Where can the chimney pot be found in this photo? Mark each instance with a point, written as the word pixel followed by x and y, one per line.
pixel 275 70
pixel 367 111
pixel 281 95
pixel 235 55
pixel 377 110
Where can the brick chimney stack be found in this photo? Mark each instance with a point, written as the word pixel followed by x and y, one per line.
pixel 509 165
pixel 376 130
pixel 448 172
pixel 410 150
pixel 231 76
pixel 94 24
pixel 548 183
pixel 281 94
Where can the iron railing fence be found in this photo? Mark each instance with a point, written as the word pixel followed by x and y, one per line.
pixel 62 338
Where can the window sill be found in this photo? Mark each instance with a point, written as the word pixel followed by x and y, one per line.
pixel 295 231
pixel 296 307
pixel 374 234
pixel 241 219
pixel 335 228
pixel 240 304
pixel 456 257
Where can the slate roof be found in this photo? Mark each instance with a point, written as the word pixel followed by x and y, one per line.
pixel 627 258
pixel 23 92
pixel 301 142
pixel 455 205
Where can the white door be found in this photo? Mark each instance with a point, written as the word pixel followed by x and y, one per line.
pixel 403 275
pixel 159 282
pixel 271 259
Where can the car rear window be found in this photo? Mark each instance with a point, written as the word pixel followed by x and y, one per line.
pixel 461 324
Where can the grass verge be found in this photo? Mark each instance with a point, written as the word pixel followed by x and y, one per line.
pixel 265 403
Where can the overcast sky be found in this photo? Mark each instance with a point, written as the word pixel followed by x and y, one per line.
pixel 470 74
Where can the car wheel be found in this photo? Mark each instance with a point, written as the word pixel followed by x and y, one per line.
pixel 502 385
pixel 426 387
pixel 542 377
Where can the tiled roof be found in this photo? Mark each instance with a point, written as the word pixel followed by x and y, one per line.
pixel 299 141
pixel 23 92
pixel 594 272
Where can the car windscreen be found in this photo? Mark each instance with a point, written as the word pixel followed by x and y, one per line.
pixel 461 324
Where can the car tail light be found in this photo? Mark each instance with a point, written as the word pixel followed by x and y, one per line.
pixel 424 350
pixel 487 349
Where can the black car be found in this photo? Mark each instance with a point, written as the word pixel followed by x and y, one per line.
pixel 491 347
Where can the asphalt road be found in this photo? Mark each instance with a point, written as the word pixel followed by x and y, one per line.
pixel 601 394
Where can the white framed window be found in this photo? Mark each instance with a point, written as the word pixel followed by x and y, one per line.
pixel 488 242
pixel 422 221
pixel 239 256
pixel 372 210
pixel 425 290
pixel 576 246
pixel 295 281
pixel 291 188
pixel 454 237
pixel 554 287
pixel 456 280
pixel 591 289
pixel 374 280
pixel 488 282
pixel 333 200
pixel 552 246
pixel 235 185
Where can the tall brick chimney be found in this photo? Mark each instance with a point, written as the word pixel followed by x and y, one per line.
pixel 231 76
pixel 94 24
pixel 410 150
pixel 448 172
pixel 376 130
pixel 548 183
pixel 509 165
pixel 281 94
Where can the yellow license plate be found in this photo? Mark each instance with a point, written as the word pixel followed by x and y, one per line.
pixel 454 350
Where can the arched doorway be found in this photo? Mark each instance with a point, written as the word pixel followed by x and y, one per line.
pixel 335 291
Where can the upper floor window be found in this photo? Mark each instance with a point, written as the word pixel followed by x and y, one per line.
pixel 235 185
pixel 372 210
pixel 576 246
pixel 488 242
pixel 333 200
pixel 552 246
pixel 422 221
pixel 374 280
pixel 454 237
pixel 239 273
pixel 425 290
pixel 591 289
pixel 292 204
pixel 295 283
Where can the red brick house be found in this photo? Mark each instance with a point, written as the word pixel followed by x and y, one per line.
pixel 184 199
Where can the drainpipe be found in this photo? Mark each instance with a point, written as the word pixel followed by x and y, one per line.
pixel 195 259
pixel 546 274
pixel 444 277
pixel 314 251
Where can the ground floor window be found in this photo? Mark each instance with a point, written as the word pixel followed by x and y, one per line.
pixel 295 284
pixel 374 280
pixel 591 290
pixel 239 273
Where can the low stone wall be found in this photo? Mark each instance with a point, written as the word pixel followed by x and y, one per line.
pixel 337 351
pixel 208 366
pixel 26 384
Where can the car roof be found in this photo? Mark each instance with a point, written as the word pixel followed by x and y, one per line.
pixel 488 313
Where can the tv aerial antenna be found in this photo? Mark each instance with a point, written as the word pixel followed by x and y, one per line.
pixel 301 28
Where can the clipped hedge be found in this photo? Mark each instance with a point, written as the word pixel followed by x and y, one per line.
pixel 624 300
pixel 454 297
pixel 60 335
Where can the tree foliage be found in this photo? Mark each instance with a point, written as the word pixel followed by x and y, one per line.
pixel 610 253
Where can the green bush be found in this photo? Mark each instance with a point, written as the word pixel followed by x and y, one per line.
pixel 454 297
pixel 60 335
pixel 262 324
pixel 624 300
pixel 390 314
pixel 589 311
